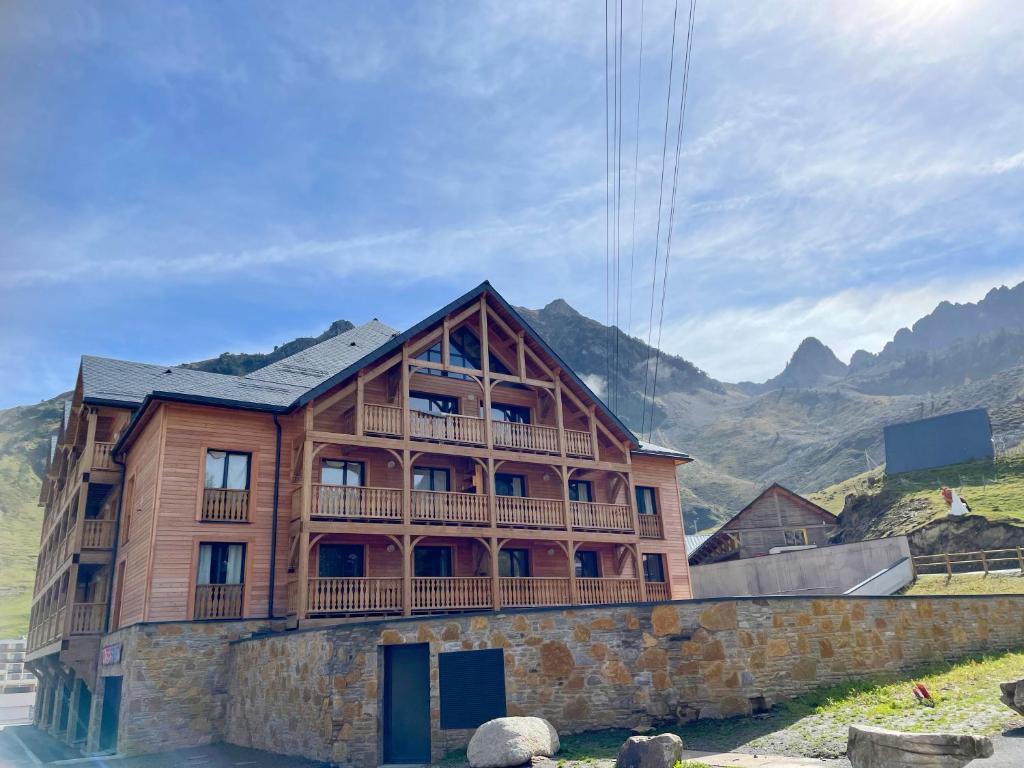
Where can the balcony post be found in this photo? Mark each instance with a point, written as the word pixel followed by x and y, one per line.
pixel 495 576
pixel 592 418
pixel 406 486
pixel 631 490
pixel 405 392
pixel 566 502
pixel 574 590
pixel 492 502
pixel 559 415
pixel 406 574
pixel 303 574
pixel 360 398
pixel 521 355
pixel 638 559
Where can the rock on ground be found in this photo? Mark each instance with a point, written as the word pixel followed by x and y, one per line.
pixel 662 751
pixel 878 748
pixel 511 741
pixel 1013 695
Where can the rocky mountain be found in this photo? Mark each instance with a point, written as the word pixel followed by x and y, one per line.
pixel 812 365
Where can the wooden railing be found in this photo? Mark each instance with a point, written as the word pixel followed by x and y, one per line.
pixel 451 592
pixel 526 592
pixel 657 591
pixel 446 428
pixel 87 618
pixel 47 630
pixel 225 505
pixel 650 527
pixel 601 517
pixel 218 601
pixel 349 501
pixel 382 419
pixel 102 456
pixel 354 595
pixel 966 562
pixel 529 512
pixel 525 437
pixel 578 443
pixel 442 507
pixel 600 590
pixel 97 534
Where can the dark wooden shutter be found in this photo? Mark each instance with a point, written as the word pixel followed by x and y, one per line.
pixel 472 687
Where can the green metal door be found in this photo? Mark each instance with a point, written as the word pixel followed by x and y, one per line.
pixel 406 704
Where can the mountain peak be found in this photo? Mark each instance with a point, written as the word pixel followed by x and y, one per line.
pixel 812 365
pixel 560 307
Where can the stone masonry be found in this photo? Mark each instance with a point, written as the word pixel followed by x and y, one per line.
pixel 316 692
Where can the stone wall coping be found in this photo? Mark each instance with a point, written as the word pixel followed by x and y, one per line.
pixel 755 599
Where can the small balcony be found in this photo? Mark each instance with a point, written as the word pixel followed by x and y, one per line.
pixel 87 618
pixel 529 592
pixel 529 512
pixel 650 527
pixel 354 595
pixel 525 437
pixel 658 591
pixel 102 456
pixel 442 507
pixel 225 505
pixel 594 591
pixel 348 502
pixel 218 601
pixel 98 534
pixel 593 516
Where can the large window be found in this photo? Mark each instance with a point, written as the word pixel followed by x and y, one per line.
pixel 509 485
pixel 587 564
pixel 427 403
pixel 463 352
pixel 227 469
pixel 430 479
pixel 432 561
pixel 340 561
pixel 654 567
pixel 646 501
pixel 514 562
pixel 221 563
pixel 517 414
pixel 581 490
pixel 339 472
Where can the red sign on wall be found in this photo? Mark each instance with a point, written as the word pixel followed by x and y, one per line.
pixel 111 654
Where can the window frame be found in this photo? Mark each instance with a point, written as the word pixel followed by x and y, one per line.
pixel 654 499
pixel 524 411
pixel 575 484
pixel 802 532
pixel 228 453
pixel 226 544
pixel 431 471
pixel 362 558
pixel 525 552
pixel 515 476
pixel 453 401
pixel 249 541
pixel 578 562
pixel 345 463
pixel 435 547
pixel 662 566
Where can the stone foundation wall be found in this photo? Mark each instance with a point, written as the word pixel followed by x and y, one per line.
pixel 174 683
pixel 316 692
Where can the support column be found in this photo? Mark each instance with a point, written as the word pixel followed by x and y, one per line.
pixel 495 578
pixel 639 560
pixel 406 486
pixel 92 736
pixel 58 696
pixel 76 690
pixel 574 591
pixel 406 574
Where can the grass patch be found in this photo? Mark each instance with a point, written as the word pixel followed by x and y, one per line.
pixel 967 584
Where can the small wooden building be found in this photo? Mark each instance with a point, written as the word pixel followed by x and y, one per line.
pixel 776 518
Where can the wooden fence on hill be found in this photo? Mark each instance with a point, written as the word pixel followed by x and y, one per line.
pixel 969 562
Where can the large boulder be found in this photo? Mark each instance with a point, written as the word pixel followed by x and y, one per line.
pixel 1013 695
pixel 510 741
pixel 661 751
pixel 869 747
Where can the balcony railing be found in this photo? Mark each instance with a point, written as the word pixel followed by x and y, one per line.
pixel 354 595
pixel 525 437
pixel 578 443
pixel 650 527
pixel 98 534
pixel 87 618
pixel 529 512
pixel 442 507
pixel 594 591
pixel 102 457
pixel 382 419
pixel 527 592
pixel 225 505
pixel 343 502
pixel 657 591
pixel 446 428
pixel 218 601
pixel 451 593
pixel 601 517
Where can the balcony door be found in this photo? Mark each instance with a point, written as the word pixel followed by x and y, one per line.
pixel 432 562
pixel 646 501
pixel 587 566
pixel 513 414
pixel 514 563
pixel 581 490
pixel 340 481
pixel 509 485
pixel 341 561
pixel 219 580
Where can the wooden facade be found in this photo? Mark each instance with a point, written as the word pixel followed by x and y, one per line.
pixel 777 518
pixel 432 479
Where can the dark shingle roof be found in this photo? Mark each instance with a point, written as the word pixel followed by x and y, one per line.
pixel 650 449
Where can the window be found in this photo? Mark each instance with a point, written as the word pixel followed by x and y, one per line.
pixel 654 567
pixel 514 562
pixel 430 479
pixel 581 490
pixel 340 561
pixel 646 501
pixel 586 564
pixel 796 538
pixel 221 563
pixel 432 561
pixel 126 509
pixel 472 687
pixel 509 485
pixel 517 414
pixel 227 469
pixel 419 401
pixel 336 472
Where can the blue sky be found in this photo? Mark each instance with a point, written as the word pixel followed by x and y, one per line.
pixel 184 179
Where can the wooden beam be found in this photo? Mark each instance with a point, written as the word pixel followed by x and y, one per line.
pixel 360 400
pixel 327 402
pixel 446 355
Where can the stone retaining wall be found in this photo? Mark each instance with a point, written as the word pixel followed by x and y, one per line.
pixel 316 692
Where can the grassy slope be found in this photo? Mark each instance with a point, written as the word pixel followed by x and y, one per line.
pixel 968 584
pixel 20 519
pixel 993 489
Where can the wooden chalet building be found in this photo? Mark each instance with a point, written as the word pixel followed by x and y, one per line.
pixel 777 518
pixel 458 466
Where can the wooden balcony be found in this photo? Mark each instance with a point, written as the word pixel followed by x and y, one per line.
pixel 98 534
pixel 650 527
pixel 354 595
pixel 102 456
pixel 601 590
pixel 47 630
pixel 347 502
pixel 579 443
pixel 525 437
pixel 87 618
pixel 447 428
pixel 446 593
pixel 457 508
pixel 218 601
pixel 225 505
pixel 527 592
pixel 658 591
pixel 529 512
pixel 593 516
pixel 382 419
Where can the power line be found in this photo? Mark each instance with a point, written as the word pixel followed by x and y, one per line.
pixel 672 212
pixel 607 212
pixel 618 201
pixel 636 166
